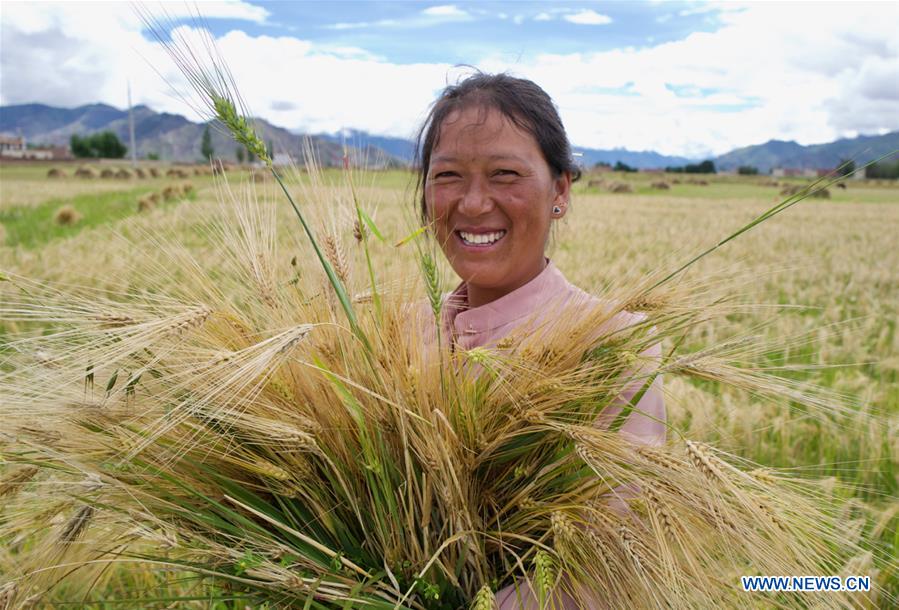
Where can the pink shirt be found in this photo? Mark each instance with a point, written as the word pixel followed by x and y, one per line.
pixel 531 307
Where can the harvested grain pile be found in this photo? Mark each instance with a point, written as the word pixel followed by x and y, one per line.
pixel 86 172
pixel 145 204
pixel 171 192
pixel 140 173
pixel 56 173
pixel 176 173
pixel 621 187
pixel 154 172
pixel 187 188
pixel 596 183
pixel 66 215
pixel 107 173
pixel 661 185
pixel 795 189
pixel 124 174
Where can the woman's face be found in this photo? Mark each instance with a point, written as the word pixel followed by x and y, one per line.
pixel 490 194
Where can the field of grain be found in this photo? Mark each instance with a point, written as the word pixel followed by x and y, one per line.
pixel 818 285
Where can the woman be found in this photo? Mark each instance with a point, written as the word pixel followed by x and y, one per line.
pixel 495 173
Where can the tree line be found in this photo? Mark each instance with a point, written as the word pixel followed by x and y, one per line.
pixel 102 145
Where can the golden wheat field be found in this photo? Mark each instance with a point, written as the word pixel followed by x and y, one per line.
pixel 818 284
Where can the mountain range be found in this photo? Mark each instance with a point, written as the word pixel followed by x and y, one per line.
pixel 170 136
pixel 175 138
pixel 778 153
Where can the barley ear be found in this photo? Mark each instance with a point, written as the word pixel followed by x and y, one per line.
pixel 432 283
pixel 544 577
pixel 484 600
pixel 76 525
pixel 240 128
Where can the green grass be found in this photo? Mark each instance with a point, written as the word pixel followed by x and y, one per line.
pixel 33 226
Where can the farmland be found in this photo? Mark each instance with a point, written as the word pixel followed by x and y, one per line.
pixel 818 285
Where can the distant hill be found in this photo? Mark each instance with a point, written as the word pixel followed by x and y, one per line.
pixel 398 147
pixel 777 153
pixel 405 149
pixel 175 138
pixel 639 159
pixel 171 136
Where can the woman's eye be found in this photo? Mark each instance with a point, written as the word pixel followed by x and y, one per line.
pixel 446 174
pixel 505 172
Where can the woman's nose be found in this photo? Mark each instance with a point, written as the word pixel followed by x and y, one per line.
pixel 476 200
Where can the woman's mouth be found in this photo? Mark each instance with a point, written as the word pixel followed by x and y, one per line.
pixel 481 239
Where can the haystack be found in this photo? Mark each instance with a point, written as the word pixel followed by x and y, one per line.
pixel 621 187
pixel 107 173
pixel 145 204
pixel 56 173
pixel 171 192
pixel 124 174
pixel 86 172
pixel 661 185
pixel 66 215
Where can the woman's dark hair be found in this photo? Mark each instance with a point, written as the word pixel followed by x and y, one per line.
pixel 521 101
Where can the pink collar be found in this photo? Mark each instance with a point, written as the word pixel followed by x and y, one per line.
pixel 532 299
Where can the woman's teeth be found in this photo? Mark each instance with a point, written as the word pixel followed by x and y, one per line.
pixel 481 238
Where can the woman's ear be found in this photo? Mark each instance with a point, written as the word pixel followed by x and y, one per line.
pixel 561 194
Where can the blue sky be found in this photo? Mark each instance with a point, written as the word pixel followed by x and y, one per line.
pixel 684 78
pixel 413 32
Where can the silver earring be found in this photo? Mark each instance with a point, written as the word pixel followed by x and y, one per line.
pixel 557 210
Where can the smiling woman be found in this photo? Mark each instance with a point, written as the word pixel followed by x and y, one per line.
pixel 495 172
pixel 496 168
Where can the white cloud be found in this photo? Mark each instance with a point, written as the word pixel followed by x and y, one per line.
pixel 543 17
pixel 587 17
pixel 355 25
pixel 444 10
pixel 429 17
pixel 518 19
pixel 769 72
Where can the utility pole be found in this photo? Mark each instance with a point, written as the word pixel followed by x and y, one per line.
pixel 131 128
